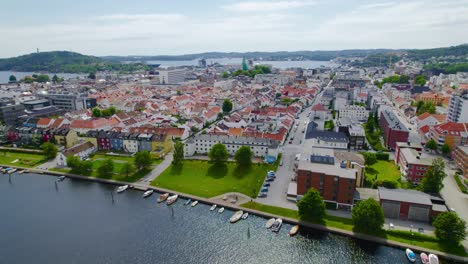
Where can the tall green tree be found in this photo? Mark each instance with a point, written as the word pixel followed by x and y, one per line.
pixel 55 78
pixel 227 106
pixel 311 206
pixel 12 79
pixel 127 169
pixel 449 227
pixel 92 75
pixel 368 216
pixel 72 162
pixel 96 112
pixel 50 150
pixel 244 156
pixel 370 158
pixel 431 144
pixel 106 169
pixel 178 155
pixel 225 75
pixel 143 160
pixel 445 149
pixel 420 80
pixel 218 153
pixel 432 181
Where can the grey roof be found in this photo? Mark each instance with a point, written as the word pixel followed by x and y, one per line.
pixel 235 140
pixel 327 169
pixel 393 121
pixel 312 132
pixel 322 159
pixel 401 195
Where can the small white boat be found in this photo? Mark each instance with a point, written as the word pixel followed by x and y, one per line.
pixel 213 207
pixel 21 171
pixel 172 199
pixel 162 197
pixel 293 231
pixel 189 201
pixel 12 171
pixel 245 215
pixel 410 255
pixel 148 193
pixel 61 178
pixel 122 188
pixel 221 210
pixel 236 217
pixel 433 259
pixel 269 223
pixel 194 203
pixel 277 225
pixel 424 258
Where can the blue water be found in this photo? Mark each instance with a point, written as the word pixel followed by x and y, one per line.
pixel 76 222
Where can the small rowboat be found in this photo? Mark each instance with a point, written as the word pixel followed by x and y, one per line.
pixel 172 199
pixel 189 201
pixel 433 259
pixel 12 171
pixel 410 255
pixel 245 215
pixel 194 204
pixel 122 188
pixel 221 210
pixel 213 207
pixel 148 193
pixel 61 178
pixel 21 171
pixel 236 217
pixel 293 231
pixel 162 197
pixel 269 223
pixel 424 258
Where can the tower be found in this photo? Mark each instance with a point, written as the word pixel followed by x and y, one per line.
pixel 245 67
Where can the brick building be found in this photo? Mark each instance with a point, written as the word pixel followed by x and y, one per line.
pixel 413 165
pixel 393 129
pixel 460 156
pixel 454 134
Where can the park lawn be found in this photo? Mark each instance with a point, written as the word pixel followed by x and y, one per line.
pixel 414 238
pixel 384 170
pixel 205 179
pixel 27 160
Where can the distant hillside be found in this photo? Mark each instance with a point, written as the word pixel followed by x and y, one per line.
pixel 63 61
pixel 425 54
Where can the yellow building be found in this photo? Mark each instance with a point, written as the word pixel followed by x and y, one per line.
pixel 161 143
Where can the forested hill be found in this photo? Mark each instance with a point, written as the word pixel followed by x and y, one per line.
pixel 63 61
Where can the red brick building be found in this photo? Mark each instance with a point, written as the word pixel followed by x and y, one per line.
pixel 399 145
pixel 335 183
pixel 413 165
pixel 393 129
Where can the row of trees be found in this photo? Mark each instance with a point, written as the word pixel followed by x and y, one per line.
pixel 422 107
pixel 368 217
pixel 432 145
pixel 96 112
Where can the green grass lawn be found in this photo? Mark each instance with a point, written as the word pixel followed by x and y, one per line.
pixel 202 178
pixel 27 160
pixel 416 239
pixel 383 170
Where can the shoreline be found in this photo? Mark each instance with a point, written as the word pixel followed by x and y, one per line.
pixel 208 201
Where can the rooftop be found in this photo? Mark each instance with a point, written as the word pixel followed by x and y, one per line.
pixel 393 121
pixel 402 195
pixel 327 169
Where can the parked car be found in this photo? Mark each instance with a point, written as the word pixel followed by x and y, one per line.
pixel 266 184
pixel 264 189
pixel 281 163
pixel 260 195
pixel 269 179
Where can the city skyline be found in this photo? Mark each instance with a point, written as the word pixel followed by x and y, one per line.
pixel 180 27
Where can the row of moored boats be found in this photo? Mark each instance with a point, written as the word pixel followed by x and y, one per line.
pixel 11 170
pixel 425 259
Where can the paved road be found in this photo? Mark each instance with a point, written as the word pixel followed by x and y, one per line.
pixel 158 170
pixel 47 165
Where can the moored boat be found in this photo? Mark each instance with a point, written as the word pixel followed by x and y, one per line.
pixel 293 231
pixel 122 188
pixel 148 193
pixel 221 210
pixel 424 258
pixel 189 201
pixel 277 225
pixel 213 207
pixel 410 255
pixel 61 178
pixel 433 259
pixel 12 171
pixel 21 171
pixel 245 215
pixel 270 222
pixel 236 217
pixel 172 199
pixel 194 203
pixel 162 197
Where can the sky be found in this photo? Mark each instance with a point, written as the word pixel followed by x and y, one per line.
pixel 174 27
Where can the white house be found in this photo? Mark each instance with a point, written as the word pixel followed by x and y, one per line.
pixel 357 111
pixel 82 150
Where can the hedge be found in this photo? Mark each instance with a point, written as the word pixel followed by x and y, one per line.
pixel 461 186
pixel 382 156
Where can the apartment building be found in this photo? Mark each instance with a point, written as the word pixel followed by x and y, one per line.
pixel 172 76
pixel 454 134
pixel 393 129
pixel 357 111
pixel 460 156
pixel 458 108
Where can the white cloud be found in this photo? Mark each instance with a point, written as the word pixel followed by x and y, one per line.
pixel 267 6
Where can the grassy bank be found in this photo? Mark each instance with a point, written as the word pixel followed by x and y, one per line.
pixel 410 238
pixel 460 184
pixel 205 179
pixel 27 160
pixel 383 170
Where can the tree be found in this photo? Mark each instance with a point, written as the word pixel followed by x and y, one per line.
pixel 432 181
pixel 431 144
pixel 218 153
pixel 85 167
pixel 112 110
pixel 127 169
pixel 142 160
pixel 42 78
pixel 106 169
pixel 178 155
pixel 445 149
pixel 96 112
pixel 55 79
pixel 227 106
pixel 194 129
pixel 449 227
pixel 72 162
pixel 243 156
pixel 368 216
pixel 92 75
pixel 225 75
pixel 49 149
pixel 12 79
pixel 370 158
pixel 311 206
pixel 220 115
pixel 420 80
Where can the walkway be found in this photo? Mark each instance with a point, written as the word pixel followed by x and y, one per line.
pixel 158 170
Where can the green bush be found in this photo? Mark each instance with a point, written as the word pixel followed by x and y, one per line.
pixel 386 183
pixel 382 156
pixel 460 184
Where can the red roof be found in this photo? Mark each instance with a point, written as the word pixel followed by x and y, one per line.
pixel 451 128
pixel 91 124
pixel 44 121
pixel 319 107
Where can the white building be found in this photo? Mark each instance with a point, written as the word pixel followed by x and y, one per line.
pixel 357 111
pixel 458 108
pixel 279 79
pixel 201 144
pixel 171 76
pixel 130 144
pixel 82 150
